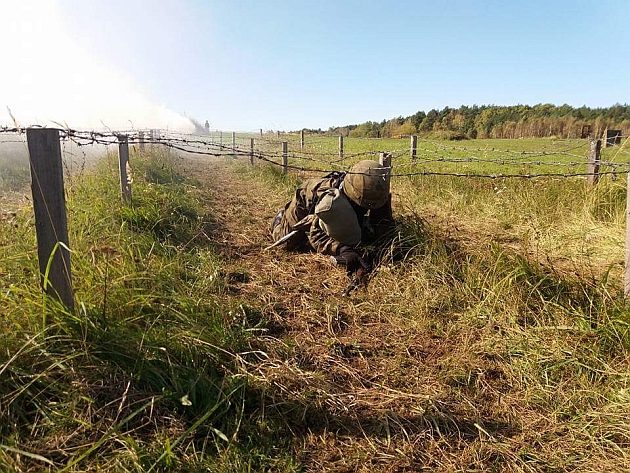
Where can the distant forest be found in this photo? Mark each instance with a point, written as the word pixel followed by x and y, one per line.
pixel 491 121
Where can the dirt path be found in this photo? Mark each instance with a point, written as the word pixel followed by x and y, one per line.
pixel 355 378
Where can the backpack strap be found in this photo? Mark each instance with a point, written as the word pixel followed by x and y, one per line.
pixel 337 177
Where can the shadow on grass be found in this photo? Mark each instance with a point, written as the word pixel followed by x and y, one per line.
pixel 539 285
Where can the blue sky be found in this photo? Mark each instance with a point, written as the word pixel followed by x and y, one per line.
pixel 292 64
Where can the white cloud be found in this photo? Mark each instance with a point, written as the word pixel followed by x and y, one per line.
pixel 48 77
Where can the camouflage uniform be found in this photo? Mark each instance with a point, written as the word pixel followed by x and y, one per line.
pixel 298 214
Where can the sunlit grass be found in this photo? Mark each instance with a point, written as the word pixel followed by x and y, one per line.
pixel 498 310
pixel 519 283
pixel 145 374
pixel 487 156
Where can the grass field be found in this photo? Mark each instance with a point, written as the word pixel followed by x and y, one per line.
pixel 14 171
pixel 498 341
pixel 579 227
pixel 492 156
pixel 143 376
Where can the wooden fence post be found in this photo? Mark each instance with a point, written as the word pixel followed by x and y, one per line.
pixel 124 168
pixel 251 151
pixel 626 272
pixel 156 138
pixel 221 138
pixel 594 158
pixel 261 134
pixel 141 141
pixel 278 133
pixel 385 159
pixel 340 146
pixel 49 204
pixel 233 141
pixel 285 157
pixel 302 139
pixel 414 146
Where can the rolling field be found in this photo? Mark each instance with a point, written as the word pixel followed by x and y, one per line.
pixel 493 335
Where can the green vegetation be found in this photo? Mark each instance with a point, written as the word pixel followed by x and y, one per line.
pixel 493 335
pixel 14 171
pixel 491 121
pixel 557 217
pixel 145 375
pixel 478 156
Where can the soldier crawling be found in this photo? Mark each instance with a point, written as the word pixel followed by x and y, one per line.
pixel 338 215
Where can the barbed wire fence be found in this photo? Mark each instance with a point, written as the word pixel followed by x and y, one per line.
pixel 420 158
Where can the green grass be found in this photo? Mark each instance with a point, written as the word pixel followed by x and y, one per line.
pixel 577 225
pixel 496 332
pixel 145 375
pixel 14 174
pixel 517 284
pixel 480 156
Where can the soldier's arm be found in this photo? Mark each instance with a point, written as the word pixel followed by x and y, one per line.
pixel 321 241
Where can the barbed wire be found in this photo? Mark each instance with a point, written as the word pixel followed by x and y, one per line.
pixel 514 157
pixel 454 174
pixel 506 150
pixel 445 159
pixel 227 150
pixel 201 145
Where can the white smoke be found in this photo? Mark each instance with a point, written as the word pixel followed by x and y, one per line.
pixel 48 78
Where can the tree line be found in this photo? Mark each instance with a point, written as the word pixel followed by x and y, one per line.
pixel 492 121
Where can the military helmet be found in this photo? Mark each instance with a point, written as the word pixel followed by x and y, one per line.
pixel 367 184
